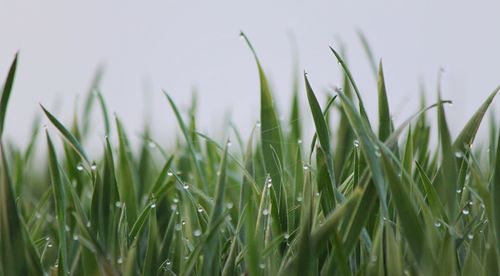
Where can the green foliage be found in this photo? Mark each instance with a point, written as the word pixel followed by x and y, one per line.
pixel 359 201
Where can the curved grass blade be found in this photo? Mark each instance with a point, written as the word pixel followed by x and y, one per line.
pixel 6 91
pixel 347 72
pixel 66 134
pixel 272 141
pixel 468 133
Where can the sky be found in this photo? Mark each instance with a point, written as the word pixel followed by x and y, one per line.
pixel 181 47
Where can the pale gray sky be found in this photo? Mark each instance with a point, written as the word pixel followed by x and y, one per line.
pixel 179 45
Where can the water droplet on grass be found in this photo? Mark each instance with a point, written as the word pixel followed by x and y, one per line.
pixel 437 224
pixel 119 261
pixel 265 212
pixel 79 167
pixel 356 143
pixel 153 206
pixel 465 212
pixel 197 233
pixel 470 236
pixel 93 167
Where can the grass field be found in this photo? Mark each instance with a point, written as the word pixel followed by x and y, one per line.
pixel 358 200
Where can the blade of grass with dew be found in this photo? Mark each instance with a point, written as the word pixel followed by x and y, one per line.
pixel 447 185
pixel 127 179
pixel 369 149
pixel 60 203
pixel 190 144
pixel 66 134
pixel 15 243
pixel 407 213
pixel 272 141
pixel 331 193
pixel 347 72
pixel 211 259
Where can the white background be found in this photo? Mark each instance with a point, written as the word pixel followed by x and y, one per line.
pixel 147 46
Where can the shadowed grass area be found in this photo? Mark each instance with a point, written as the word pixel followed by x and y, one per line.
pixel 357 201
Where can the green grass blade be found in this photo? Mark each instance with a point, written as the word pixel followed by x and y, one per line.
pixel 347 72
pixel 211 258
pixel 468 133
pixel 60 203
pixel 272 142
pixel 384 116
pixel 190 144
pixel 324 140
pixel 6 91
pixel 66 134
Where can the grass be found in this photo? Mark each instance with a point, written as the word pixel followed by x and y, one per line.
pixel 359 200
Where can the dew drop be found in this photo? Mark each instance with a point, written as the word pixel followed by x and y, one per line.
pixel 465 212
pixel 197 233
pixel 79 167
pixel 169 173
pixel 437 224
pixel 118 204
pixel 49 245
pixel 175 200
pixel 153 206
pixel 38 215
pixel 299 199
pixel 286 236
pixel 93 167
pixel 76 237
pixel 200 210
pixel 258 124
pixel 173 207
pixel 459 154
pixel 119 261
pixel 178 227
pixel 88 224
pixel 229 143
pixel 66 228
pixel 459 191
pixel 229 205
pixel 183 222
pixel 470 236
pixel 265 212
pixel 356 143
pixel 151 145
pixel 185 186
pixel 299 141
pixel 262 266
